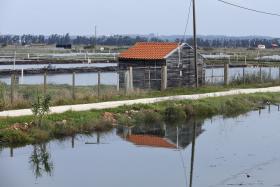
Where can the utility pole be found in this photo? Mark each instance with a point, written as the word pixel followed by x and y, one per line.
pixel 193 153
pixel 195 45
pixel 95 37
pixel 15 56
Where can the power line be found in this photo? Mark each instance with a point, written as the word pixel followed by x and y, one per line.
pixel 249 9
pixel 187 23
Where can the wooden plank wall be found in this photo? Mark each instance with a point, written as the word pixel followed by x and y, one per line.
pixel 179 72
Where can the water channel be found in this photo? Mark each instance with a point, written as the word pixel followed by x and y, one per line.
pixel 213 75
pixel 240 151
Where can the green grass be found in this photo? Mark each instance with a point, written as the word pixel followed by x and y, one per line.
pixel 62 94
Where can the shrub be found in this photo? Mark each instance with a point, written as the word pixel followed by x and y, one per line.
pixel 102 126
pixel 147 117
pixel 39 135
pixel 124 120
pixel 174 114
pixel 14 137
pixel 189 110
pixel 60 130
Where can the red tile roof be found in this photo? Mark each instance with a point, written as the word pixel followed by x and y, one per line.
pixel 149 50
pixel 151 141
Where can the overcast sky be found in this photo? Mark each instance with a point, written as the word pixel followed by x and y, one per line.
pixel 163 17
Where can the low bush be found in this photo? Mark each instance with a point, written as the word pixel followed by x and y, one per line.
pixel 39 135
pixel 15 137
pixel 147 117
pixel 173 114
pixel 61 130
pixel 189 110
pixel 125 120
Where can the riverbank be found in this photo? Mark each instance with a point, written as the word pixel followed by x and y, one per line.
pixel 143 100
pixel 63 94
pixel 20 130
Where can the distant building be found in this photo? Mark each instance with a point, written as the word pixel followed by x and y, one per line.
pixel 261 46
pixel 36 45
pixel 274 46
pixel 147 58
pixel 64 46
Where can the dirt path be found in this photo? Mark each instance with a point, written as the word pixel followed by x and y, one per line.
pixel 114 104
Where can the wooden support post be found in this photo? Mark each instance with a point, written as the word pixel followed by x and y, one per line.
pixel 73 85
pixel 279 73
pixel 244 80
pixel 11 152
pixel 118 81
pixel 270 74
pixel 226 74
pixel 131 79
pixel 98 84
pixel 126 81
pixel 163 78
pixel 261 79
pixel 245 61
pixel 22 74
pixel 73 141
pixel 12 87
pixel 149 77
pixel 45 83
pixel 212 75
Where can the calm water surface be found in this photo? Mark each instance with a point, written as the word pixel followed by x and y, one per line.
pixel 228 152
pixel 82 79
pixel 214 75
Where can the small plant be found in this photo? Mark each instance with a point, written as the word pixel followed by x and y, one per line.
pixel 174 114
pixel 15 137
pixel 125 120
pixel 147 117
pixel 40 108
pixel 189 110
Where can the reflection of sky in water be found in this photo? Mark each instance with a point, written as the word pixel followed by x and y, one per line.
pixel 111 78
pixel 226 152
pixel 234 72
pixel 82 79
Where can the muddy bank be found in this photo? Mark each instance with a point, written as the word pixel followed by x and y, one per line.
pixel 53 61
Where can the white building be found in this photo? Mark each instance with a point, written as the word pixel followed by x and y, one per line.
pixel 261 46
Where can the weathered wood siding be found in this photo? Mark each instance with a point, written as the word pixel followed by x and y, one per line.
pixel 143 77
pixel 180 70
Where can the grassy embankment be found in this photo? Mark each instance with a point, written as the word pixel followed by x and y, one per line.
pixel 71 123
pixel 62 94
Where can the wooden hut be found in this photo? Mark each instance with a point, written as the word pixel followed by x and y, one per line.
pixel 152 64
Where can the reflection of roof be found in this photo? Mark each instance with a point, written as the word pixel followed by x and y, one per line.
pixel 151 141
pixel 149 50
